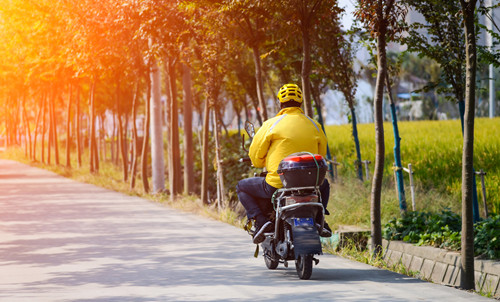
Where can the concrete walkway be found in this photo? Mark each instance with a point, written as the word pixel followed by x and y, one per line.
pixel 61 240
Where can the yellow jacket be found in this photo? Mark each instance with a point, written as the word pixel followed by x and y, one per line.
pixel 290 131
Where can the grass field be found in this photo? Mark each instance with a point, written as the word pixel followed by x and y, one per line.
pixel 434 148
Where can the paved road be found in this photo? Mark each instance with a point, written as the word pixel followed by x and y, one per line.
pixel 61 240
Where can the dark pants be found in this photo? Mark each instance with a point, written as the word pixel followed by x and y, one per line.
pixel 255 195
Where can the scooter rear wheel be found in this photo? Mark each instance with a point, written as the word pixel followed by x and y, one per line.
pixel 270 262
pixel 304 266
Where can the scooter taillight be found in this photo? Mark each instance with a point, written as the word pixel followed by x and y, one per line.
pixel 289 200
pixel 303 158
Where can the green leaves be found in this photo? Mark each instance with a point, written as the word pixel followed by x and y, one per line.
pixel 487 237
pixel 443 230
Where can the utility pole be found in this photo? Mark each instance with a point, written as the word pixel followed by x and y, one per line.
pixel 489 44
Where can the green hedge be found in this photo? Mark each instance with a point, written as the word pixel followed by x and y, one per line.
pixel 443 230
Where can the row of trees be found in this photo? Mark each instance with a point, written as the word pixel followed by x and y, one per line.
pixel 71 63
pixel 452 42
pixel 68 66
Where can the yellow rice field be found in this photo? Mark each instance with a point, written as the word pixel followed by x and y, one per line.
pixel 434 148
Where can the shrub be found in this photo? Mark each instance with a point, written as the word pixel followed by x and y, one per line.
pixel 231 152
pixel 435 229
pixel 443 230
pixel 487 237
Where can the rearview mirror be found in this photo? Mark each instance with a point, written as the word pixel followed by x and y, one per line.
pixel 250 129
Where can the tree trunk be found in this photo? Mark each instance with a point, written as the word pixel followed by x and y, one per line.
pixel 116 140
pixel 78 130
pixel 376 228
pixel 188 131
pixel 121 133
pixel 397 149
pixel 44 124
pixel 144 156
pixel 475 204
pixel 157 161
pixel 133 170
pixel 54 127
pixel 92 139
pixel 259 82
pixel 100 136
pixel 315 91
pixel 174 155
pixel 255 104
pixel 17 128
pixel 113 138
pixel 123 148
pixel 51 131
pixel 126 146
pixel 306 71
pixel 27 129
pixel 37 126
pixel 68 128
pixel 467 251
pixel 359 165
pixel 204 155
pixel 220 173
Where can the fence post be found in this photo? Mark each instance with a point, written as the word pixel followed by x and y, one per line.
pixel 395 178
pixel 335 172
pixel 367 169
pixel 412 186
pixel 483 187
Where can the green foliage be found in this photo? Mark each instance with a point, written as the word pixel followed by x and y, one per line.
pixel 231 152
pixel 436 229
pixel 440 38
pixel 234 170
pixel 443 230
pixel 487 237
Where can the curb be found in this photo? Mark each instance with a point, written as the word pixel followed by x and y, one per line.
pixel 442 266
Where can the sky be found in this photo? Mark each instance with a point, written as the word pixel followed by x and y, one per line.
pixel 348 5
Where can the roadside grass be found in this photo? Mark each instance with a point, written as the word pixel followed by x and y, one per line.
pixel 350 203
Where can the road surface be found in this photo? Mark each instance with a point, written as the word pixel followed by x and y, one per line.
pixel 61 240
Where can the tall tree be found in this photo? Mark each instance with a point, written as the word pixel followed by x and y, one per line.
pixel 78 130
pixel 250 20
pixel 380 18
pixel 68 128
pixel 94 160
pixel 212 45
pixel 145 139
pixel 175 179
pixel 303 15
pixel 467 259
pixel 135 139
pixel 334 54
pixel 188 130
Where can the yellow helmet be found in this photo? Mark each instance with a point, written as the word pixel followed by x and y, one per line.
pixel 290 92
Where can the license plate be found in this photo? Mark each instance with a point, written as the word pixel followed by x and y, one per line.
pixel 303 221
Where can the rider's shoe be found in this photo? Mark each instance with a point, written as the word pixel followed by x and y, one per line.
pixel 326 231
pixel 260 231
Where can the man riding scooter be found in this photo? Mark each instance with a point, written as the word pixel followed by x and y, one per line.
pixel 290 131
